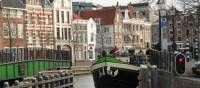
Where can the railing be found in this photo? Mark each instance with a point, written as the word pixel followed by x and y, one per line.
pixel 26 54
pixel 138 59
pixel 163 60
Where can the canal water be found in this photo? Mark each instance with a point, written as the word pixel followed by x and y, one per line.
pixel 84 81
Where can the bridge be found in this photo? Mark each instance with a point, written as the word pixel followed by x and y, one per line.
pixel 162 73
pixel 18 63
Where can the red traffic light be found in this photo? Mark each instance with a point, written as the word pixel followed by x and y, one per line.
pixel 180 60
pixel 180 64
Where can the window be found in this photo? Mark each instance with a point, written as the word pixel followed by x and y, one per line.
pixel 47 19
pixel 108 40
pixel 171 32
pixel 57 16
pixel 48 38
pixel 179 32
pixel 62 3
pixel 171 38
pixel 91 37
pixel 19 13
pixel 30 38
pixel 66 37
pixel 179 39
pixel 13 13
pixel 13 30
pixel 58 33
pixel 178 24
pixel 29 19
pixel 187 32
pixel 68 17
pixel 20 31
pixel 62 15
pixel 62 33
pixel 37 35
pixel 5 12
pixel 69 33
pixel 37 19
pixel 5 30
pixel 133 29
pixel 137 38
pixel 191 24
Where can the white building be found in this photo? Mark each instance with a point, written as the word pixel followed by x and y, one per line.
pixel 137 33
pixel 62 10
pixel 84 38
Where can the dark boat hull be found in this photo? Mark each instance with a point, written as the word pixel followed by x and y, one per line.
pixel 126 78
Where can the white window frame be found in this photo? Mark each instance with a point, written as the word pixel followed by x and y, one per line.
pixel 5 30
pixel 13 30
pixel 20 31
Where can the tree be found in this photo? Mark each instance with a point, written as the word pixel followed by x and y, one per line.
pixel 100 38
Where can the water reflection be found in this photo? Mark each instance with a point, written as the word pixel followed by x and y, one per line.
pixel 84 81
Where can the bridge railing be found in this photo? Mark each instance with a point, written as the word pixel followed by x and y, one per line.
pixel 163 60
pixel 27 54
pixel 138 59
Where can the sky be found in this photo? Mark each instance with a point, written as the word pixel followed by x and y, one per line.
pixel 125 2
pixel 109 2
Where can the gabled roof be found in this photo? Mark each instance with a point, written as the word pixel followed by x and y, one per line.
pixel 106 16
pixel 76 17
pixel 13 3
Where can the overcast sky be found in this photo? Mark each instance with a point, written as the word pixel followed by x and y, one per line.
pixel 109 2
pixel 125 2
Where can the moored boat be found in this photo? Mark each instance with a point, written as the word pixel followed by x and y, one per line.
pixel 111 72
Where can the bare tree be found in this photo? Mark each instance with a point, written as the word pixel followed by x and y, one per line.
pixel 100 38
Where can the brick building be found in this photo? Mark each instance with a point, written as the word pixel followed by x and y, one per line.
pixel 12 32
pixel 39 24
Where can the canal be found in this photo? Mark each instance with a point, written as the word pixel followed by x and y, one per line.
pixel 84 81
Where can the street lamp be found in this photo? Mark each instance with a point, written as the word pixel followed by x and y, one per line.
pixel 161 13
pixel 158 46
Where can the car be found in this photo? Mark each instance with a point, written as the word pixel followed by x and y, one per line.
pixel 196 68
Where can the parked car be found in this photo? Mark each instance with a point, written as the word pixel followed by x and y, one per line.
pixel 196 68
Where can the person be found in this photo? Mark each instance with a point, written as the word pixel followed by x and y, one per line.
pixel 141 52
pixel 104 53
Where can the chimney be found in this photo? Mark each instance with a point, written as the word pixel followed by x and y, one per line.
pixel 126 15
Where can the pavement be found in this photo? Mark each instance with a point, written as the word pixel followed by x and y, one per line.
pixel 82 67
pixel 188 67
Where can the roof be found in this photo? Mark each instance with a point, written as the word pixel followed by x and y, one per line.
pixel 140 4
pixel 76 17
pixel 13 3
pixel 83 4
pixel 106 15
pixel 112 7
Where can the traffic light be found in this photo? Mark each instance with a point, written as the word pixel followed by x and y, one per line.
pixel 180 64
pixel 187 51
pixel 196 49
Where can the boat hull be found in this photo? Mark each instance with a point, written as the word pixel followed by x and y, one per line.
pixel 114 77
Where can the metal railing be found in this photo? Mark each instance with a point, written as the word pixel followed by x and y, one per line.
pixel 25 54
pixel 163 60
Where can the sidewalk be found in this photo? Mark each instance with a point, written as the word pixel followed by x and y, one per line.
pixel 83 67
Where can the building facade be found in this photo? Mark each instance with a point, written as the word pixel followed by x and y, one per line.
pixel 62 10
pixel 39 24
pixel 12 19
pixel 84 36
pixel 137 34
pixel 185 28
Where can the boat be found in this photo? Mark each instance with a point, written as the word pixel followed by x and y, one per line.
pixel 114 72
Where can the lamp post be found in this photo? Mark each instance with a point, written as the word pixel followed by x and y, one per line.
pixel 159 14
